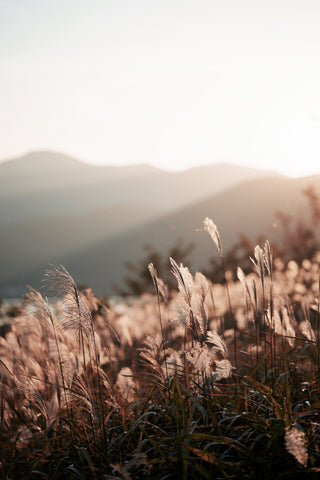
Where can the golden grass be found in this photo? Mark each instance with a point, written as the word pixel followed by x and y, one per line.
pixel 205 382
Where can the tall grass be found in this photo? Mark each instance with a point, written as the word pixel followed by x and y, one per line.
pixel 93 392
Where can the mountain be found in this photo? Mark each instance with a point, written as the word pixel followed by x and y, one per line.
pixel 43 184
pixel 40 162
pixel 43 241
pixel 48 183
pixel 56 209
pixel 248 208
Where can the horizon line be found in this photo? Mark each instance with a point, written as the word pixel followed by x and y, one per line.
pixel 218 161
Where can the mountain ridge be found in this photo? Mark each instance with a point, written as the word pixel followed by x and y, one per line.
pixel 248 208
pixel 25 196
pixel 36 158
pixel 43 221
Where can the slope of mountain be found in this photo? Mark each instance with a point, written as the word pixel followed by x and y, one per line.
pixel 42 172
pixel 31 187
pixel 41 161
pixel 247 208
pixel 53 207
pixel 43 241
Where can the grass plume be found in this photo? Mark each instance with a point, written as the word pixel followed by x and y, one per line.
pixel 89 392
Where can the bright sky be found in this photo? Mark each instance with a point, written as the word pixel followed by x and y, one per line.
pixel 175 83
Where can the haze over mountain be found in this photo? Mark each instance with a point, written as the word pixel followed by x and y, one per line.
pixel 43 170
pixel 43 184
pixel 56 209
pixel 248 208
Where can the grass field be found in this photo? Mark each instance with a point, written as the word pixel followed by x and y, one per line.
pixel 207 381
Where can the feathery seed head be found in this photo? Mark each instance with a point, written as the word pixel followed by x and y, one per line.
pixel 201 358
pixel 223 369
pixel 212 229
pixel 126 384
pixel 258 261
pixel 59 282
pixel 267 257
pixel 216 342
pixel 295 442
pixel 241 276
pixel 159 285
pixel 184 279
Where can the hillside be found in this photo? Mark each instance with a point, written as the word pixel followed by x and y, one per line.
pixel 54 207
pixel 40 162
pixel 247 208
pixel 43 184
pixel 42 241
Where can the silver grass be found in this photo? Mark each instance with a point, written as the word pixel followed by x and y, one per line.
pixel 202 284
pixel 274 320
pixel 59 283
pixel 65 369
pixel 153 343
pixel 213 231
pixel 78 317
pixel 295 442
pixel 258 261
pixel 217 343
pixel 159 285
pixel 64 361
pixel 223 369
pixel 181 312
pixel 105 380
pixel 152 353
pixel 126 384
pixel 35 301
pixel 305 326
pixel 200 316
pixel 29 417
pixel 151 361
pixel 202 288
pixel 34 396
pixel 82 392
pixel 307 330
pixel 288 329
pixel 174 362
pixel 267 257
pixel 191 306
pixel 242 278
pixel 201 359
pixel 184 279
pixel 255 294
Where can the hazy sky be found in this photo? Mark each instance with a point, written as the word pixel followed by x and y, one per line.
pixel 174 83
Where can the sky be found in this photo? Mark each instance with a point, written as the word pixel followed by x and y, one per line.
pixel 174 83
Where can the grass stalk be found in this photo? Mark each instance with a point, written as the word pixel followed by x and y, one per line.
pixel 154 277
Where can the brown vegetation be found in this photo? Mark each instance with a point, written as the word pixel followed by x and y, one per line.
pixel 215 380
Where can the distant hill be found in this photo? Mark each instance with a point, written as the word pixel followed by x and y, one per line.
pixel 55 209
pixel 37 174
pixel 247 208
pixel 43 184
pixel 43 241
pixel 40 162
